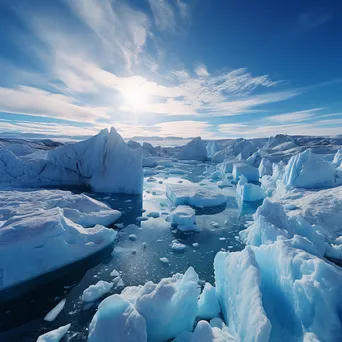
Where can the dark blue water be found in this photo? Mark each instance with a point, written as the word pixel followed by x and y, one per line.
pixel 21 319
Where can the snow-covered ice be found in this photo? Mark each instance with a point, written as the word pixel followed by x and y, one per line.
pixel 194 195
pixel 184 218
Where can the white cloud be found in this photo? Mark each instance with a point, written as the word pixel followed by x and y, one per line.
pixel 201 71
pixel 184 129
pixel 121 28
pixel 50 129
pixel 38 102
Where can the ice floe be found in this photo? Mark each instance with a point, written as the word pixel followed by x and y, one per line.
pixel 184 218
pixel 43 230
pixel 194 195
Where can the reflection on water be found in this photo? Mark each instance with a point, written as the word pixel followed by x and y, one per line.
pixel 138 261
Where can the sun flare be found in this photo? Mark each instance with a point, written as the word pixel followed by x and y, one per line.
pixel 135 97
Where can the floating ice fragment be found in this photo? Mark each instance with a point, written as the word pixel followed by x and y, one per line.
pixel 94 292
pixel 51 316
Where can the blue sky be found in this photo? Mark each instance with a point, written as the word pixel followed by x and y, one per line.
pixel 171 67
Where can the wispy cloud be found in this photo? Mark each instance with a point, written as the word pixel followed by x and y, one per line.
pixel 168 14
pixel 38 102
pixel 309 20
pixel 295 116
pixel 250 130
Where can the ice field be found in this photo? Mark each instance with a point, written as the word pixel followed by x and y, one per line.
pixel 232 240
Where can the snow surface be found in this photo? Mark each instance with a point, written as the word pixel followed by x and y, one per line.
pixel 103 162
pixel 321 207
pixel 194 195
pixel 43 230
pixel 194 150
pixel 54 335
pixel 94 292
pixel 249 192
pixel 184 218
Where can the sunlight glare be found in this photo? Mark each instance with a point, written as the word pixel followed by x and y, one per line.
pixel 135 97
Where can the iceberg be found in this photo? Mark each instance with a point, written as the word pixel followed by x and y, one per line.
pixel 103 162
pixel 304 286
pixel 241 147
pixel 184 218
pixel 194 195
pixel 169 307
pixel 280 142
pixel 117 320
pixel 309 170
pixel 194 150
pixel 250 172
pixel 249 192
pixel 43 230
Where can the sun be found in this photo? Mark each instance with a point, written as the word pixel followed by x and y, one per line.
pixel 135 97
